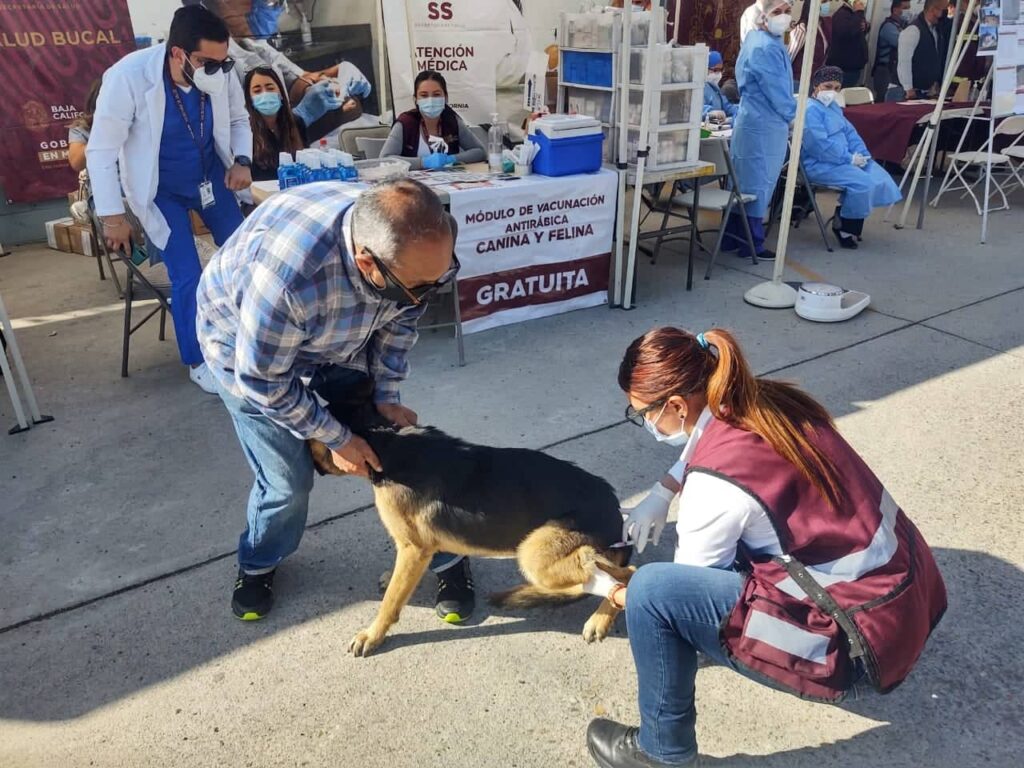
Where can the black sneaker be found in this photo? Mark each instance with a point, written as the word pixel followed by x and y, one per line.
pixel 766 255
pixel 253 596
pixel 456 597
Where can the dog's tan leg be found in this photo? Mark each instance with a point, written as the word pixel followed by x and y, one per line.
pixel 410 564
pixel 603 619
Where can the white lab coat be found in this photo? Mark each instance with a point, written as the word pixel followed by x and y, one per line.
pixel 126 131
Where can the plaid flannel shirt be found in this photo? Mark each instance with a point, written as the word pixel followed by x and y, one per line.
pixel 283 297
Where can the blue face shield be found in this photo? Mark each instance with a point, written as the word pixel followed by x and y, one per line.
pixel 263 17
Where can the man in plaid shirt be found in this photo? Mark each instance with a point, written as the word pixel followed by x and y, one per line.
pixel 313 292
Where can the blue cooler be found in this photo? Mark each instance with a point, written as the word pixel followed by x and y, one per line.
pixel 568 144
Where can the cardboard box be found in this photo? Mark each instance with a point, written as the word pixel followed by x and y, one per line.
pixel 57 235
pixel 551 81
pixel 198 228
pixel 82 240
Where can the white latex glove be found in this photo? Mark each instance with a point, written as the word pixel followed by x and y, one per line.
pixel 650 513
pixel 859 160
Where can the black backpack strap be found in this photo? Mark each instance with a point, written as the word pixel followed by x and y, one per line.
pixel 821 598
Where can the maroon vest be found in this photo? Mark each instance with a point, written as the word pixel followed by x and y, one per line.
pixel 855 582
pixel 411 131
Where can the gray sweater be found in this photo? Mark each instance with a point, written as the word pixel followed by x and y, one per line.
pixel 472 150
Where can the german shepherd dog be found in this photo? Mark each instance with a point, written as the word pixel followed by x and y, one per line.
pixel 440 494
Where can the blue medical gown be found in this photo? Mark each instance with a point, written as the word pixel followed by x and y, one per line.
pixel 715 100
pixel 761 130
pixel 830 142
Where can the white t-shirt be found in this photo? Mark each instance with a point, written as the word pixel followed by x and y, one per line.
pixel 715 515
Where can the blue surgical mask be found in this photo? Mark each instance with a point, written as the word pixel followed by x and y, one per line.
pixel 263 18
pixel 678 439
pixel 826 9
pixel 267 103
pixel 432 106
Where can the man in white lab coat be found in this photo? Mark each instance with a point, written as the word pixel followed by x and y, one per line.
pixel 171 130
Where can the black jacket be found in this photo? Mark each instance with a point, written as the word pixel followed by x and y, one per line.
pixel 849 48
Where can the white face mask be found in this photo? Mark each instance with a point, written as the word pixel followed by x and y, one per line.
pixel 779 25
pixel 678 439
pixel 714 77
pixel 208 84
pixel 828 98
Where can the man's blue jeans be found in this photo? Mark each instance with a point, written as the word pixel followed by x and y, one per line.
pixel 279 500
pixel 672 612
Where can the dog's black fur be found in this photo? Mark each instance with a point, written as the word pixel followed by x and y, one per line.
pixel 493 497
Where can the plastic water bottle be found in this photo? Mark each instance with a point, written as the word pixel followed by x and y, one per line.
pixel 287 171
pixel 330 163
pixel 348 167
pixel 495 144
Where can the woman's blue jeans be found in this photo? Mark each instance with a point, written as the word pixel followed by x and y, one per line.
pixel 672 612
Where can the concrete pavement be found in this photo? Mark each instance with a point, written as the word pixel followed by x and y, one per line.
pixel 140 482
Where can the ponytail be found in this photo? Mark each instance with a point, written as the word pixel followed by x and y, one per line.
pixel 669 361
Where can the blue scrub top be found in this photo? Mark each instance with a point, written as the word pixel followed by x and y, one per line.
pixel 181 166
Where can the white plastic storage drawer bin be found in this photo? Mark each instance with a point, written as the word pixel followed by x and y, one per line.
pixel 590 30
pixel 586 101
pixel 669 149
pixel 675 64
pixel 668 107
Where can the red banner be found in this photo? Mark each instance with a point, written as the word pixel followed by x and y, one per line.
pixel 51 51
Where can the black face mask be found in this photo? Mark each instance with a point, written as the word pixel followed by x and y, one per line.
pixel 402 296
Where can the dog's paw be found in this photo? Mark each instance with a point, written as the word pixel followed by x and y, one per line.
pixel 364 643
pixel 597 628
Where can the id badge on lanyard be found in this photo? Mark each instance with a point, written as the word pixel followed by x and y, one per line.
pixel 206 198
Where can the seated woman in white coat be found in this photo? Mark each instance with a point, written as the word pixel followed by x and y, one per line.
pixel 834 154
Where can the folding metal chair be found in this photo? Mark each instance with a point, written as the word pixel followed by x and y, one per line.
pixel 348 137
pixel 1003 169
pixel 810 189
pixel 723 198
pixel 857 95
pixel 453 291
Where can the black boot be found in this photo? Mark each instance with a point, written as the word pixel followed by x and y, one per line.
pixel 613 745
pixel 843 235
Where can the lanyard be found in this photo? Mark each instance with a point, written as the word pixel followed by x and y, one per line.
pixel 202 122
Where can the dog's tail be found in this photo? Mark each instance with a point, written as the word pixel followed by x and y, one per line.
pixel 530 596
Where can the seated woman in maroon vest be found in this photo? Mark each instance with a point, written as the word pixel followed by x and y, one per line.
pixel 410 135
pixel 793 566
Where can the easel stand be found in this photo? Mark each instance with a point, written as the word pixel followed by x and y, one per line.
pixel 925 152
pixel 984 206
pixel 23 424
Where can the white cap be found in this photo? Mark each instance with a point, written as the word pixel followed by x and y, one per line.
pixel 347 160
pixel 284 158
pixel 328 159
pixel 313 159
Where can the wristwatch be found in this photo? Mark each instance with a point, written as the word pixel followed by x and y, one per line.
pixel 243 161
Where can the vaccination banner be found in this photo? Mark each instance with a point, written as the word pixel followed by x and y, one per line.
pixel 481 47
pixel 51 51
pixel 533 247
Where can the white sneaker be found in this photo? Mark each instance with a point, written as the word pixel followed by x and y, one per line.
pixel 203 377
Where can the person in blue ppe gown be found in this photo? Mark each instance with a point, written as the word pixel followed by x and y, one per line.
pixel 177 121
pixel 834 154
pixel 761 133
pixel 717 108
